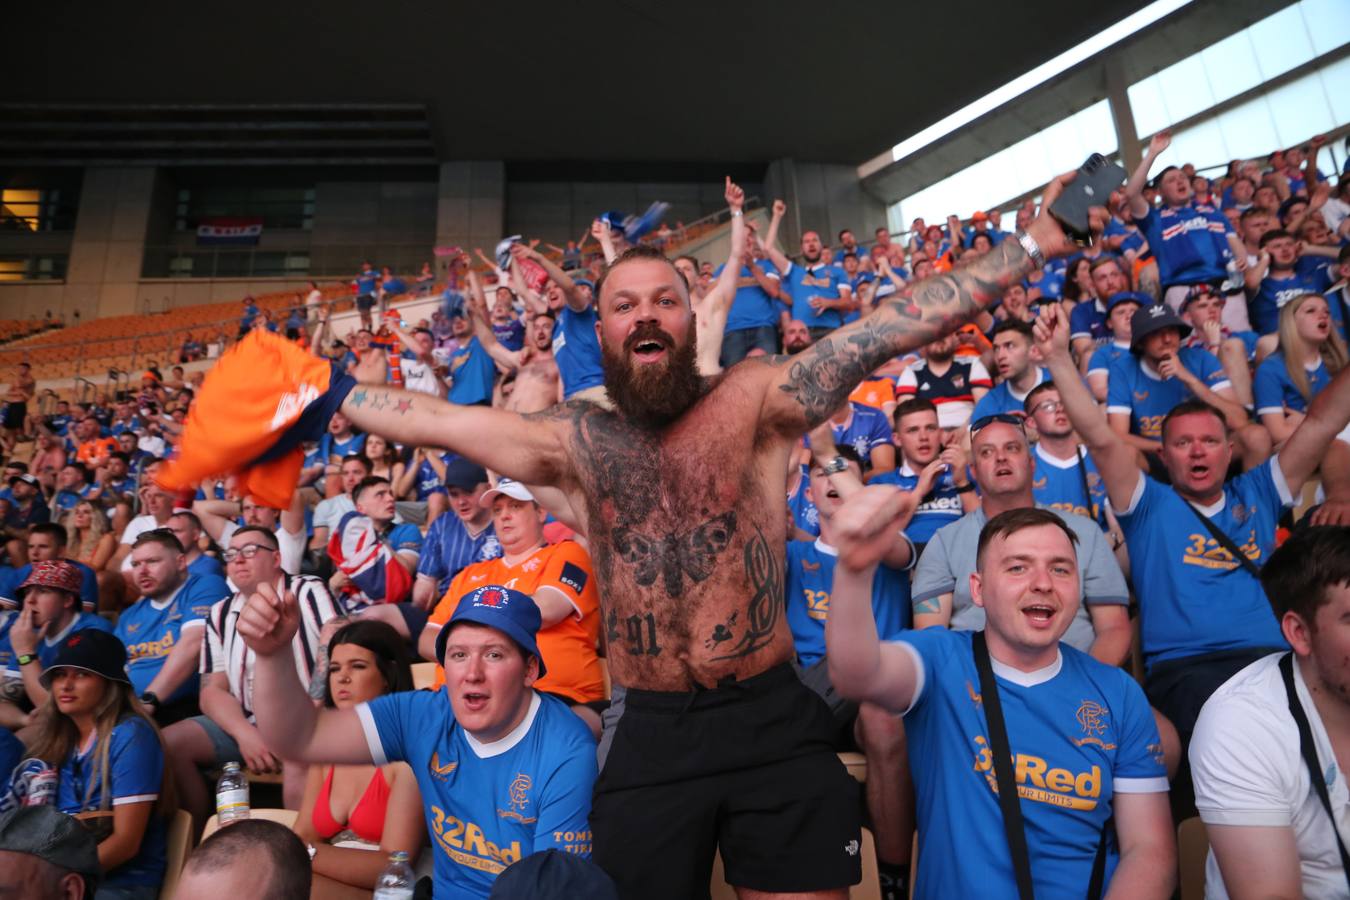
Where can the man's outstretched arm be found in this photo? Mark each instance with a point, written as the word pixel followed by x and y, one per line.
pixel 528 450
pixel 813 384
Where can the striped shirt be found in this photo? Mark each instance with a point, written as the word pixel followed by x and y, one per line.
pixel 224 650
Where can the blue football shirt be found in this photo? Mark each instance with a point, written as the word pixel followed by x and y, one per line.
pixel 1275 391
pixel 577 350
pixel 1194 597
pixel 1058 484
pixel 751 307
pixel 151 630
pixel 810 575
pixel 448 547
pixel 1080 731
pixel 941 507
pixel 488 805
pixel 817 280
pixel 1002 398
pixel 473 372
pixel 1136 388
pixel 135 773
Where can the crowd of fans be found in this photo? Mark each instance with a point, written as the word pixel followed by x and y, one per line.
pixel 1167 393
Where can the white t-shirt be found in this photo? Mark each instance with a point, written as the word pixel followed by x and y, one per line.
pixel 329 512
pixel 292 546
pixel 1248 770
pixel 418 376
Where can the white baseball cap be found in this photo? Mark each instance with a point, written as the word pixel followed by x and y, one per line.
pixel 506 487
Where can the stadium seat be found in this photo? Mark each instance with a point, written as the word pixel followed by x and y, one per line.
pixel 280 816
pixel 856 764
pixel 424 675
pixel 177 846
pixel 868 889
pixel 1192 852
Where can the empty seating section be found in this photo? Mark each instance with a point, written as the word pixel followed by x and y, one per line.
pixel 132 342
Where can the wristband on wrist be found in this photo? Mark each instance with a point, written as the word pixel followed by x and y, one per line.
pixel 834 466
pixel 965 488
pixel 1033 249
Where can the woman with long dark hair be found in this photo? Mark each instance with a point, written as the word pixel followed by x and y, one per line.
pixel 349 811
pixel 110 762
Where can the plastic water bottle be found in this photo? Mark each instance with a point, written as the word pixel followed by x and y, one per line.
pixel 232 795
pixel 397 879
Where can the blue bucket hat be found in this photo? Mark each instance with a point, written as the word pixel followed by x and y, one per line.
pixel 512 613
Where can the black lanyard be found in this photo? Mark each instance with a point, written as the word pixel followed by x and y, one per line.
pixel 1309 750
pixel 1008 801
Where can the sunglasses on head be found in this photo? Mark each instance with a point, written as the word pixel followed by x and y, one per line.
pixel 1006 418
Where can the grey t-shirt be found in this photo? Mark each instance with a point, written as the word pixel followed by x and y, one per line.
pixel 949 558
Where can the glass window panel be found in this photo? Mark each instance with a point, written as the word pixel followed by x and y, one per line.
pixel 1336 83
pixel 1231 66
pixel 1185 89
pixel 1146 102
pixel 1327 22
pixel 1300 110
pixel 1281 42
pixel 1247 129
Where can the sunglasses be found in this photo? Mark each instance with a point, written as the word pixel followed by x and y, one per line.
pixel 1006 418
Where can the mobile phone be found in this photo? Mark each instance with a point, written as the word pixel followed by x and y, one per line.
pixel 1097 178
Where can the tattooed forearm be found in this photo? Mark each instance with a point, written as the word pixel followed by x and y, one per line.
pixel 821 378
pixel 377 399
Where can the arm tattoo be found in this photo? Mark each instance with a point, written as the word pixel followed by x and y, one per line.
pixel 380 399
pixel 929 606
pixel 821 378
pixel 764 572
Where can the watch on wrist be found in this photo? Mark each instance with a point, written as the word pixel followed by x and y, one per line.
pixel 835 466
pixel 1033 249
pixel 965 488
pixel 150 698
pixel 26 658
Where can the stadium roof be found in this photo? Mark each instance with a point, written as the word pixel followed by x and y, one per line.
pixel 348 82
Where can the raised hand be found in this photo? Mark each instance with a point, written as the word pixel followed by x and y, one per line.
pixel 1161 141
pixel 929 476
pixel 734 194
pixel 822 441
pixel 268 622
pixel 779 209
pixel 599 230
pixel 866 523
pixel 1046 229
pixel 1213 332
pixel 23 637
pixel 1051 332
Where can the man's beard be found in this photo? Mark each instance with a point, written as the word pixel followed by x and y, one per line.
pixel 940 354
pixel 797 346
pixel 653 395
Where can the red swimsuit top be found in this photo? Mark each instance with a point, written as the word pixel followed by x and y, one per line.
pixel 367 817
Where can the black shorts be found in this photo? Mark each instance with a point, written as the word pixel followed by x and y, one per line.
pixel 748 767
pixel 365 301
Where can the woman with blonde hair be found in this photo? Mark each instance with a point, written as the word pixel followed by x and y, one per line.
pixel 109 757
pixel 1309 356
pixel 88 537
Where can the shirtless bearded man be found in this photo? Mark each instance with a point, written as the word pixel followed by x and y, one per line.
pixel 680 492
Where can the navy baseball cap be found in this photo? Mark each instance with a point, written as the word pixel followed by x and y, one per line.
pixel 465 474
pixel 512 613
pixel 1128 297
pixel 1151 318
